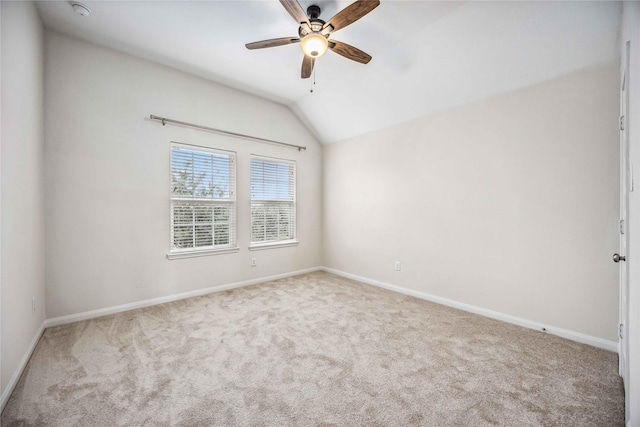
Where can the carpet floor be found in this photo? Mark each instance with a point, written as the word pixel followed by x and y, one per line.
pixel 311 350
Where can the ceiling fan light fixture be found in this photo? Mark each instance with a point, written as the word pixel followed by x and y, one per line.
pixel 314 33
pixel 314 45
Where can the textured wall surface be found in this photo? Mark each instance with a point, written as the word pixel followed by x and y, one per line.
pixel 108 182
pixel 23 259
pixel 509 204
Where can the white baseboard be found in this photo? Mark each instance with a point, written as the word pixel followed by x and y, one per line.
pixel 6 393
pixel 530 324
pixel 63 320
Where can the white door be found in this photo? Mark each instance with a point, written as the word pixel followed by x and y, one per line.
pixel 626 186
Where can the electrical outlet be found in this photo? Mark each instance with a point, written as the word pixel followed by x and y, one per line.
pixel 397 266
pixel 253 262
pixel 33 305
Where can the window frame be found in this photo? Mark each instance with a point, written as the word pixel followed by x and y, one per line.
pixel 260 245
pixel 230 201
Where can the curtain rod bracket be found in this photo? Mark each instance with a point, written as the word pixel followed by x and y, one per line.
pixel 164 121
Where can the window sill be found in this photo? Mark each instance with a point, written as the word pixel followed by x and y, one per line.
pixel 273 245
pixel 206 252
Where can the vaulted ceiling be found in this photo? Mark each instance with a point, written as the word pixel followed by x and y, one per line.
pixel 428 56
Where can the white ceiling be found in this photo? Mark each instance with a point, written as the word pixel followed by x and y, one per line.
pixel 428 56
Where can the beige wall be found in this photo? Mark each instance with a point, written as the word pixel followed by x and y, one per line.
pixel 22 276
pixel 509 204
pixel 107 178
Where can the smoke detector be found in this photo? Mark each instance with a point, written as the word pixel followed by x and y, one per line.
pixel 80 9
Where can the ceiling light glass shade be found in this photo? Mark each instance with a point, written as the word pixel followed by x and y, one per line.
pixel 314 45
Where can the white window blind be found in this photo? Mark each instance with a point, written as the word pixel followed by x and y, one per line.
pixel 203 199
pixel 273 201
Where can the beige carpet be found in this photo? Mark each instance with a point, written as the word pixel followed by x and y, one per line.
pixel 312 350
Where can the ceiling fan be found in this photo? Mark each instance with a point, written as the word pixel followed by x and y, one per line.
pixel 314 33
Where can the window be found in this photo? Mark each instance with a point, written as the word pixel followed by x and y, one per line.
pixel 203 201
pixel 273 202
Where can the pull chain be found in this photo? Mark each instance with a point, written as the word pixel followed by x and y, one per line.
pixel 314 80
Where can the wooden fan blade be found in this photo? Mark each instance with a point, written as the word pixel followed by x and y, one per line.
pixel 272 42
pixel 349 52
pixel 350 14
pixel 307 66
pixel 295 10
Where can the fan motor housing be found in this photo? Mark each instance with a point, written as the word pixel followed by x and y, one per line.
pixel 313 11
pixel 316 27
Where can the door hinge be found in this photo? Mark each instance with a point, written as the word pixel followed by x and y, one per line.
pixel 621 123
pixel 621 226
pixel 620 330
